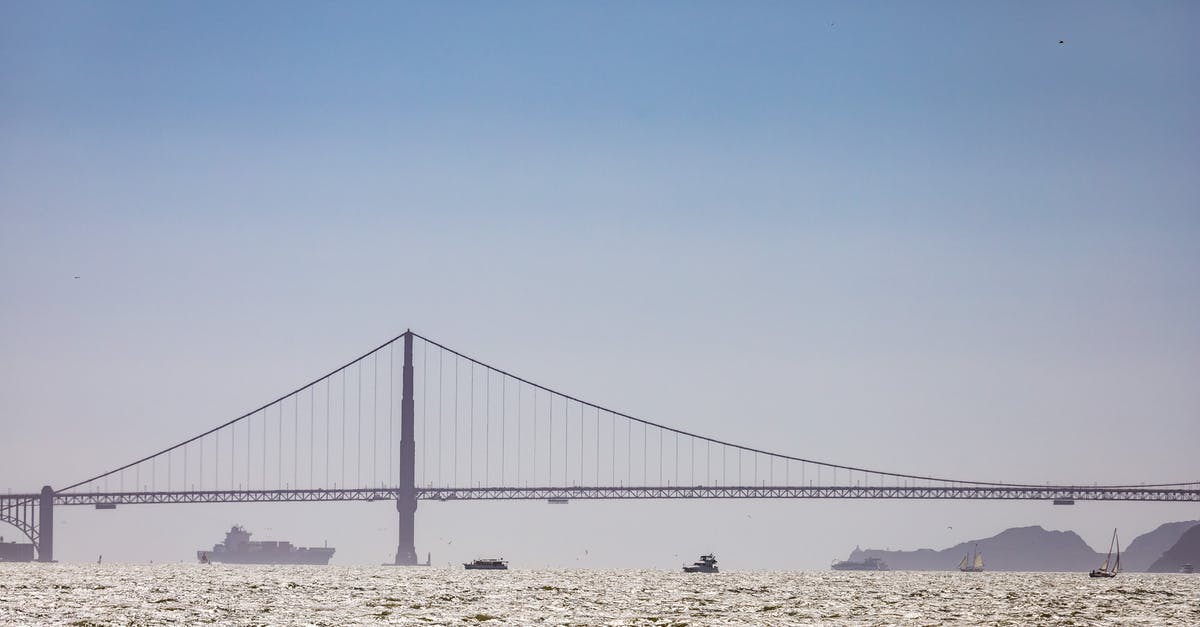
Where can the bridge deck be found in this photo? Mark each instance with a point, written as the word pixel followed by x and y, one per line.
pixel 1005 493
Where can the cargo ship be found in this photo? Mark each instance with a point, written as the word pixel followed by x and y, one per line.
pixel 239 549
pixel 870 563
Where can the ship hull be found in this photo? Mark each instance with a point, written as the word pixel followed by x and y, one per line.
pixel 14 552
pixel 314 556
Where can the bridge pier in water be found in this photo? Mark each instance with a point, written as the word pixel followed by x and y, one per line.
pixel 406 501
pixel 45 541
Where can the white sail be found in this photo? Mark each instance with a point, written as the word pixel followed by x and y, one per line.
pixel 1108 557
pixel 979 561
pixel 1117 565
pixel 963 563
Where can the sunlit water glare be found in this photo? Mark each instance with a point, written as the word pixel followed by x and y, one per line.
pixel 120 594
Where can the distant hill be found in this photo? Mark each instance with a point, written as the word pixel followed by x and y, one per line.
pixel 1148 547
pixel 1185 551
pixel 1033 549
pixel 1021 548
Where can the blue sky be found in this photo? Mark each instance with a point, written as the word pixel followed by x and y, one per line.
pixel 931 221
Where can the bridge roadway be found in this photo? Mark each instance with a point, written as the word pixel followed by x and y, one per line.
pixel 963 492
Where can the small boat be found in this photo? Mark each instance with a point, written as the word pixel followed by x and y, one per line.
pixel 1104 570
pixel 489 563
pixel 1187 569
pixel 870 563
pixel 204 558
pixel 707 564
pixel 974 565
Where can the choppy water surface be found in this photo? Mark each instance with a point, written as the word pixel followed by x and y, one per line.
pixel 41 594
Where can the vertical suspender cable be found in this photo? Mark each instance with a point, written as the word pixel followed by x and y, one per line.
pixel 503 423
pixel 487 427
pixel 327 401
pixel 519 442
pixel 581 456
pixel 566 438
pixel 456 422
pixel 375 420
pixel 279 445
pixel 312 413
pixel 342 457
pixel 296 441
pixel 535 428
pixel 441 401
pixel 550 442
pixel 424 408
pixel 358 429
pixel 264 449
pixel 471 453
pixel 660 456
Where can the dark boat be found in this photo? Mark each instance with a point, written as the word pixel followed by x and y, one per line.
pixel 1104 570
pixel 238 549
pixel 707 564
pixel 870 563
pixel 489 563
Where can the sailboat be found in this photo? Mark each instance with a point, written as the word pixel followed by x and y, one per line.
pixel 1105 571
pixel 975 565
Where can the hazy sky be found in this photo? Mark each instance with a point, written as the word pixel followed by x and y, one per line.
pixel 921 237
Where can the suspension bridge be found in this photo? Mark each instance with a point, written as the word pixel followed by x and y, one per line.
pixel 413 419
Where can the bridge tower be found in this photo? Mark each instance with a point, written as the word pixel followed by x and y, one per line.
pixel 45 540
pixel 406 500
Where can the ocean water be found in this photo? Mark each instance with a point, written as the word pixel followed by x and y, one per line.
pixel 120 594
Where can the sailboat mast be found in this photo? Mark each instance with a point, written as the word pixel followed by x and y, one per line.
pixel 1117 566
pixel 1108 557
